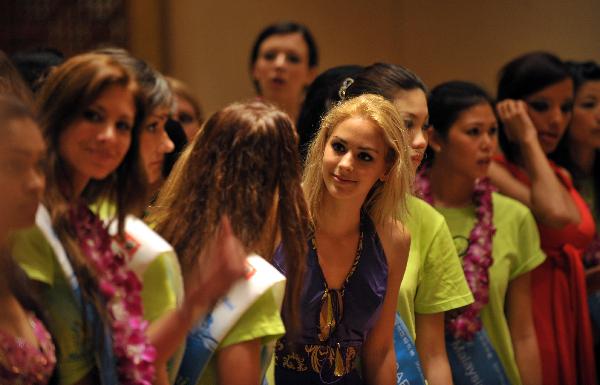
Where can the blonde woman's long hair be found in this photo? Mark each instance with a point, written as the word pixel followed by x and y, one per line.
pixel 386 199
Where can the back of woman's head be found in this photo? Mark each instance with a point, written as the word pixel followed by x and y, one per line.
pixel 386 198
pixel 530 73
pixel 583 72
pixel 242 162
pixel 11 82
pixel 67 93
pixel 320 97
pixel 386 80
pixel 286 28
pixel 448 100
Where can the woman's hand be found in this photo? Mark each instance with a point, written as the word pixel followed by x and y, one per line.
pixel 225 263
pixel 517 124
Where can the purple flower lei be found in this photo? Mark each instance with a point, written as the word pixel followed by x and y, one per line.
pixel 465 322
pixel 121 289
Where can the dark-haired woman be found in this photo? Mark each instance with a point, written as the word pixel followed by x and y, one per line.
pixel 495 235
pixel 579 153
pixel 535 94
pixel 283 62
pixel 27 354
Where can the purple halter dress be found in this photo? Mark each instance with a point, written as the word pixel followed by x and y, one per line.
pixel 314 357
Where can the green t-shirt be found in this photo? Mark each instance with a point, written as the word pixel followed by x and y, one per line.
pixel 261 321
pixel 75 355
pixel 162 291
pixel 434 281
pixel 515 251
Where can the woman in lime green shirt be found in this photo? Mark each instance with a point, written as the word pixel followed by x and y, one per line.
pixel 495 235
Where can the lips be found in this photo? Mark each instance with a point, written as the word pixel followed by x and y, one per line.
pixel 417 158
pixel 342 180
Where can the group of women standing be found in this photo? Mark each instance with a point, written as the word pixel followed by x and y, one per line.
pixel 418 235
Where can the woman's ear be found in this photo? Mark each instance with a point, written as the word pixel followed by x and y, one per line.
pixel 435 141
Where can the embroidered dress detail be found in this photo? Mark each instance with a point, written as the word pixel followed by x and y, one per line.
pixel 335 322
pixel 24 364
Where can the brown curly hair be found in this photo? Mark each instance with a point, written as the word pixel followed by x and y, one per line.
pixel 243 163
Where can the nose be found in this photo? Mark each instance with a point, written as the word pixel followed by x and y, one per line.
pixel 166 144
pixel 419 141
pixel 346 163
pixel 107 132
pixel 487 141
pixel 280 60
pixel 557 117
pixel 36 182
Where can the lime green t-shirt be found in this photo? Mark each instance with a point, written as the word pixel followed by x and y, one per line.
pixel 434 281
pixel 515 251
pixel 75 355
pixel 261 321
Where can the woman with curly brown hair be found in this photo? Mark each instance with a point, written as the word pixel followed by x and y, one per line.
pixel 243 164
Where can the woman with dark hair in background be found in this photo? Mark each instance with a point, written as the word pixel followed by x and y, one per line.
pixel 433 282
pixel 497 237
pixel 535 102
pixel 27 353
pixel 283 62
pixel 188 111
pixel 579 153
pixel 322 94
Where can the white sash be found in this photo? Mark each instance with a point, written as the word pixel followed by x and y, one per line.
pixel 206 336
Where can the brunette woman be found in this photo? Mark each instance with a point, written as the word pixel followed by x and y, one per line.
pixel 535 94
pixel 244 164
pixel 27 354
pixel 496 236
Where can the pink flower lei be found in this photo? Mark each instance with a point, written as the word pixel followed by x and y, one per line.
pixel 465 322
pixel 121 289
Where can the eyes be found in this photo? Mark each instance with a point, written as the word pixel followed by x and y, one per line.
pixel 96 116
pixel 409 123
pixel 478 131
pixel 588 104
pixel 185 118
pixel 290 57
pixel 542 106
pixel 340 148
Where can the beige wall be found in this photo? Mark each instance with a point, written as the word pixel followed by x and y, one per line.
pixel 207 43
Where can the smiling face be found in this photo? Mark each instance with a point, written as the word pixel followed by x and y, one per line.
pixel 584 130
pixel 95 143
pixel 281 68
pixel 21 176
pixel 412 105
pixel 470 143
pixel 550 110
pixel 155 143
pixel 354 159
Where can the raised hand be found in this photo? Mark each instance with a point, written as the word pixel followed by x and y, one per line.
pixel 517 124
pixel 223 263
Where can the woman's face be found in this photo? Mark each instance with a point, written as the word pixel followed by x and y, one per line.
pixel 354 159
pixel 95 143
pixel 155 143
pixel 412 105
pixel 471 142
pixel 22 180
pixel 186 116
pixel 584 130
pixel 550 110
pixel 281 68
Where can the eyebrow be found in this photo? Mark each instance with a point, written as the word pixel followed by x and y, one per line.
pixel 360 148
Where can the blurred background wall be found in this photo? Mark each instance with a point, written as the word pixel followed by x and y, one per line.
pixel 207 43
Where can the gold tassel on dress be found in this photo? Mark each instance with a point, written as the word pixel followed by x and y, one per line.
pixel 339 370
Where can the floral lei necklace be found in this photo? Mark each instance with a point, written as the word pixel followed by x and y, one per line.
pixel 121 289
pixel 464 323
